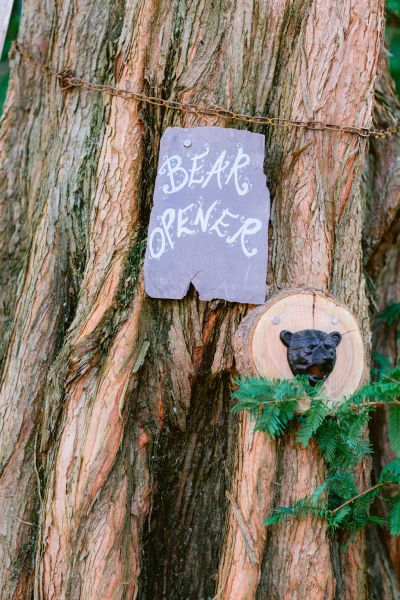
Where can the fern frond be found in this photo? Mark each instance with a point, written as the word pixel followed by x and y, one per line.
pixel 391 472
pixel 320 490
pixel 340 432
pixel 311 420
pixel 337 519
pixel 383 364
pixel 390 315
pixel 327 438
pixel 394 428
pixel 279 515
pixel 394 519
pixel 393 375
pixel 384 391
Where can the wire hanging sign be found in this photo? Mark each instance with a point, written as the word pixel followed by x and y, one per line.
pixel 68 80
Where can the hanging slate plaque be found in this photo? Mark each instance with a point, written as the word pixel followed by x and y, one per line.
pixel 209 222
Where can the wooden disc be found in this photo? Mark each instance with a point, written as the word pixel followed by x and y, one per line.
pixel 259 350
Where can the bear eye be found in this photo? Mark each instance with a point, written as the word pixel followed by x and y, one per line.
pixel 328 346
pixel 311 346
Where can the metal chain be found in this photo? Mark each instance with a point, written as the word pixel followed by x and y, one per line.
pixel 68 81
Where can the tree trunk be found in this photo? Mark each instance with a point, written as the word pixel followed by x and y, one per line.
pixel 123 473
pixel 381 186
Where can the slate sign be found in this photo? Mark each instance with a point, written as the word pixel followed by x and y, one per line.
pixel 209 222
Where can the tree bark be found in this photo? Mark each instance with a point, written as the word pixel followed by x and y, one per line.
pixel 381 181
pixel 123 473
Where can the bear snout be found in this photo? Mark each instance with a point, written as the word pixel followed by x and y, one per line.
pixel 322 358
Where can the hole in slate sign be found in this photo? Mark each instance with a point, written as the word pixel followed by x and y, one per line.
pixel 311 352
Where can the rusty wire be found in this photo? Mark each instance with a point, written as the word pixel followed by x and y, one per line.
pixel 67 81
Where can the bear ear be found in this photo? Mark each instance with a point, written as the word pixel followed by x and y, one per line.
pixel 337 337
pixel 285 337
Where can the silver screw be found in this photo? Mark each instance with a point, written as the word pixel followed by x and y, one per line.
pixel 187 143
pixel 334 320
pixel 276 320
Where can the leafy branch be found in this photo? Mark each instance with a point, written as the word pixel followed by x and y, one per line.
pixel 339 430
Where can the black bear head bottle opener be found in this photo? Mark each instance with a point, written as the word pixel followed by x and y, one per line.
pixel 311 352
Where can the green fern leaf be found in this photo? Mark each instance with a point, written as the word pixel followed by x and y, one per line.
pixel 311 421
pixel 337 519
pixel 390 315
pixel 377 520
pixel 394 428
pixel 394 519
pixel 320 490
pixel 272 519
pixel 391 472
pixel 327 438
pixel 279 515
pixel 383 364
pixel 340 432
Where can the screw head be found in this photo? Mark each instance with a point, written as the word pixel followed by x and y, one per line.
pixel 334 320
pixel 187 143
pixel 276 320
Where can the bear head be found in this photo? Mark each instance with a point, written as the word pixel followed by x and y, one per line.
pixel 311 352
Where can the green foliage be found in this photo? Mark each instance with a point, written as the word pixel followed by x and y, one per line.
pixel 383 365
pixel 394 428
pixel 312 421
pixel 273 403
pixel 390 315
pixel 394 518
pixel 340 430
pixel 11 35
pixel 391 472
pixel 393 38
pixel 391 475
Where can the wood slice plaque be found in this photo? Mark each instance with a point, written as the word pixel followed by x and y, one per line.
pixel 259 350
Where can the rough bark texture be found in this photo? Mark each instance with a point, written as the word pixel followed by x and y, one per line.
pixel 381 186
pixel 122 471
